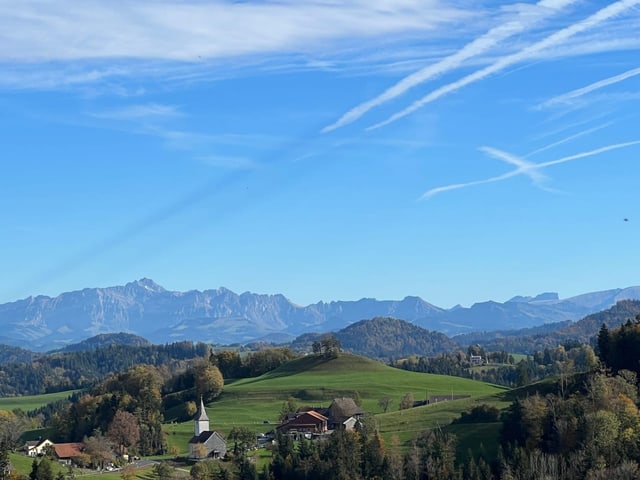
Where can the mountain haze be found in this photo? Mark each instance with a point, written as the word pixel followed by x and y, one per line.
pixel 221 316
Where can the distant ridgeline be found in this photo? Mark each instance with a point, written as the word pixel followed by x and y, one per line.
pixel 220 316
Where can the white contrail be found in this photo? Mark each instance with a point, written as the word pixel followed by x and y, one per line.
pixel 528 168
pixel 569 138
pixel 525 20
pixel 524 167
pixel 567 97
pixel 524 54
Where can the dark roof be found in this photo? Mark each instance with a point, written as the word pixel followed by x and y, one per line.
pixel 204 436
pixel 68 450
pixel 342 408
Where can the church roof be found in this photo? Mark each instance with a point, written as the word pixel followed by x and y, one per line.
pixel 204 436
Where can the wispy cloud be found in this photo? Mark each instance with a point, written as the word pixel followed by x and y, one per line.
pixel 524 167
pixel 192 30
pixel 228 162
pixel 139 112
pixel 526 18
pixel 569 97
pixel 526 53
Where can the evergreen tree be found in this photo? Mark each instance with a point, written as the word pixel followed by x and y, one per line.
pixel 604 345
pixel 45 471
pixel 4 459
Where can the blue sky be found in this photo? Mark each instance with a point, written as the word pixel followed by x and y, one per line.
pixel 456 150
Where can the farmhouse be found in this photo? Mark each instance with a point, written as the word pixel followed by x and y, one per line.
pixel 66 453
pixel 205 443
pixel 340 412
pixel 37 448
pixel 475 359
pixel 305 423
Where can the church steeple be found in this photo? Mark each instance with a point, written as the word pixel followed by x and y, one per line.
pixel 201 421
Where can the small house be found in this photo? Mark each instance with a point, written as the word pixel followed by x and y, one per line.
pixel 37 448
pixel 340 410
pixel 66 453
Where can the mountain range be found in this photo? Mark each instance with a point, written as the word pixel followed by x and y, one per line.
pixel 221 316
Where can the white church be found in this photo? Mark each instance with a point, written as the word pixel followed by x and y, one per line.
pixel 205 443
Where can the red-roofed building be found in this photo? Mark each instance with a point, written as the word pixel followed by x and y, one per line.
pixel 310 422
pixel 66 452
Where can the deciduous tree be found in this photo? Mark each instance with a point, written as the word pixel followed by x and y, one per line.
pixel 124 430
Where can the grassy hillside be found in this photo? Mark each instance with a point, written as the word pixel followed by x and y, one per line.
pixel 315 381
pixel 31 402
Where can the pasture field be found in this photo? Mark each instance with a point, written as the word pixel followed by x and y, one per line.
pixel 31 402
pixel 406 424
pixel 519 356
pixel 314 381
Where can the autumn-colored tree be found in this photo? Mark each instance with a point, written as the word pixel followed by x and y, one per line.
pixel 128 473
pixel 12 426
pixel 200 450
pixel 208 380
pixel 99 449
pixel 190 408
pixel 407 401
pixel 124 430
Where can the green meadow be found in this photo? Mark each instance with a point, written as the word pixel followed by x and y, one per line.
pixel 31 402
pixel 315 381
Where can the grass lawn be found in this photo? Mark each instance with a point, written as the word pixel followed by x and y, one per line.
pixel 31 402
pixel 519 356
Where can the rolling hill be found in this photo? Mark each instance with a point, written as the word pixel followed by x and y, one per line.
pixel 392 338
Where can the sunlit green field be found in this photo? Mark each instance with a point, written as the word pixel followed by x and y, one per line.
pixel 31 402
pixel 315 381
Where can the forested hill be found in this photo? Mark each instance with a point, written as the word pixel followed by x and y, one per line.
pixel 384 338
pixel 71 370
pixel 390 337
pixel 106 340
pixel 10 354
pixel 582 331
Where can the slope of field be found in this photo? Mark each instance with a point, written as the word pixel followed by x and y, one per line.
pixel 31 402
pixel 316 381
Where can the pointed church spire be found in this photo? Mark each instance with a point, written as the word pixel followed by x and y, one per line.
pixel 201 421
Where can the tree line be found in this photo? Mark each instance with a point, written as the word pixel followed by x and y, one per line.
pixel 76 370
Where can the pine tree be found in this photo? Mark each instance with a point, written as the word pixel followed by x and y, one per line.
pixel 604 344
pixel 4 459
